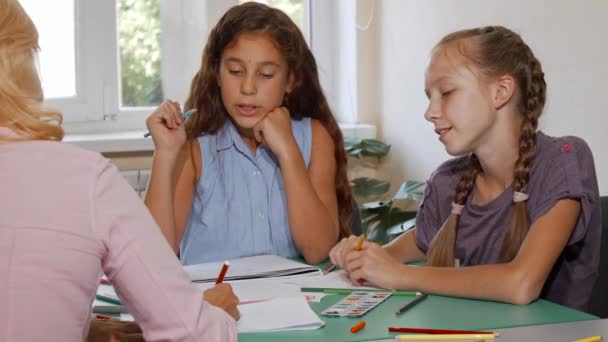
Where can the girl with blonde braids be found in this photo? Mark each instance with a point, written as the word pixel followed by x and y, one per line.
pixel 518 210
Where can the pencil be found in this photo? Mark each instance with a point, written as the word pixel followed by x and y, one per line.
pixel 360 244
pixel 357 248
pixel 329 269
pixel 446 337
pixel 436 331
pixel 220 278
pixel 412 303
pixel 184 116
pixel 590 339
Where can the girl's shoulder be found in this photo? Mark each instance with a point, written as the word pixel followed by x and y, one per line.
pixel 562 153
pixel 549 148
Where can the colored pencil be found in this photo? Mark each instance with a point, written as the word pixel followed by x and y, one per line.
pixel 436 331
pixel 411 304
pixel 184 116
pixel 445 337
pixel 220 278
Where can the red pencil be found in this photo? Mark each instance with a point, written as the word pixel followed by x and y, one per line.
pixel 436 331
pixel 329 269
pixel 220 278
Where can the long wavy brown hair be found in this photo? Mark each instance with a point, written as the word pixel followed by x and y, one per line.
pixel 497 51
pixel 305 100
pixel 20 109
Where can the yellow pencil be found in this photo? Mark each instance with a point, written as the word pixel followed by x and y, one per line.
pixel 444 337
pixel 360 244
pixel 590 339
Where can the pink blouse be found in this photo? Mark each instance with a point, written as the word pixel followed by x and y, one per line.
pixel 66 216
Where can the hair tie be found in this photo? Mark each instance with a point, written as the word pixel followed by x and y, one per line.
pixel 519 196
pixel 457 208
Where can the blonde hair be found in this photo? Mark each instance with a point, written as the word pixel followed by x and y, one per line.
pixel 496 51
pixel 20 109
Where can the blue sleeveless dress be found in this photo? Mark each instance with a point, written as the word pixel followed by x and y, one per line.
pixel 240 205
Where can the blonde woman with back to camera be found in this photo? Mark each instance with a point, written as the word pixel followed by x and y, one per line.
pixel 67 216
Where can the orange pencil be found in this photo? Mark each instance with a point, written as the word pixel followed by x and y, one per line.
pixel 357 327
pixel 220 278
pixel 360 244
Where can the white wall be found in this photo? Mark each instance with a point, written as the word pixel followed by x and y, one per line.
pixel 568 37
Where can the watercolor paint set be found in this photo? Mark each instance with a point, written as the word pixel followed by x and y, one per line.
pixel 356 304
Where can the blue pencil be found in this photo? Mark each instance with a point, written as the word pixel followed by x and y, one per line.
pixel 184 116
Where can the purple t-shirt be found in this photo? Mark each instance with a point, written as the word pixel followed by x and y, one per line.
pixel 563 168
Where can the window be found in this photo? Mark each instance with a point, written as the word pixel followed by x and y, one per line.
pixel 108 63
pixel 139 51
pixel 57 66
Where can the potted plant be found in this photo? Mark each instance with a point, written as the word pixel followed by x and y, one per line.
pixel 382 218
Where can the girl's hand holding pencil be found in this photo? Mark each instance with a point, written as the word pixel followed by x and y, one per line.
pixel 375 265
pixel 166 125
pixel 338 253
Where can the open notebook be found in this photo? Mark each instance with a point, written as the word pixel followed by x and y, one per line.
pixel 255 267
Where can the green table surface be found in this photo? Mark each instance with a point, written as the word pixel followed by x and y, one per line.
pixel 437 312
pixel 434 312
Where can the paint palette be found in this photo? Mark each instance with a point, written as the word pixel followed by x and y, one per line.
pixel 356 304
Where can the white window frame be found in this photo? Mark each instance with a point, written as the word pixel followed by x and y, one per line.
pixel 91 44
pixel 96 105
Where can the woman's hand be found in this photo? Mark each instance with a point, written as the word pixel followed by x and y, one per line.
pixel 339 252
pixel 221 295
pixel 274 130
pixel 375 265
pixel 166 127
pixel 113 330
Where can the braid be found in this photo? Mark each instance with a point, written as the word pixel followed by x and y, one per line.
pixel 441 250
pixel 533 101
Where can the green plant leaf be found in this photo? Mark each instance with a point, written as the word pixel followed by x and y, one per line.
pixel 365 186
pixel 350 143
pixel 378 236
pixel 409 190
pixel 378 220
pixel 366 147
pixel 375 148
pixel 401 228
pixel 376 204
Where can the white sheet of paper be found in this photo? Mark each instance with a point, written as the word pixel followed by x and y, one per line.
pixel 280 314
pixel 258 289
pixel 260 266
pixel 333 280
